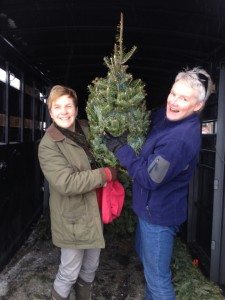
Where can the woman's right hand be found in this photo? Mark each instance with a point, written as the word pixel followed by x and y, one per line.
pixel 111 173
pixel 114 172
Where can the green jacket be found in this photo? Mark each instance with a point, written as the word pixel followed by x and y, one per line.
pixel 75 217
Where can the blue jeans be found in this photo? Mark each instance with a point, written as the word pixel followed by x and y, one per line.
pixel 154 245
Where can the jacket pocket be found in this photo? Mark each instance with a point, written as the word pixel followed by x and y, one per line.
pixel 73 208
pixel 75 230
pixel 79 221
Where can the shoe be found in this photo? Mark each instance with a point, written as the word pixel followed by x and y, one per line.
pixel 83 289
pixel 56 296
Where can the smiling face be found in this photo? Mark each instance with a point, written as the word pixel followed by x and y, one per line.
pixel 182 101
pixel 63 112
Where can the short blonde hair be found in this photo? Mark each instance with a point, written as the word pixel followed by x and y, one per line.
pixel 58 91
pixel 198 79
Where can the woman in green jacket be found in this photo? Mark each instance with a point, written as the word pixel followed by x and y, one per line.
pixel 73 177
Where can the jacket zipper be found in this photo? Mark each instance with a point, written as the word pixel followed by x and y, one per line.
pixel 148 210
pixel 147 207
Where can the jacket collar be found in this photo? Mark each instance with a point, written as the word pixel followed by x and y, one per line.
pixel 193 117
pixel 55 134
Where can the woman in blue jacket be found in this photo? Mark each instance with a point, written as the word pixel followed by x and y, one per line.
pixel 161 174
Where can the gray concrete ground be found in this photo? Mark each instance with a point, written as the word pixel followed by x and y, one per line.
pixel 31 272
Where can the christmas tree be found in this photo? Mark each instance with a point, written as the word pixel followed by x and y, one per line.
pixel 116 104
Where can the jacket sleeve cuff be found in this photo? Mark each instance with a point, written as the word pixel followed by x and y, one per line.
pixel 106 174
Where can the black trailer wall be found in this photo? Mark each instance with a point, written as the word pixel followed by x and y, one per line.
pixel 22 113
pixel 206 221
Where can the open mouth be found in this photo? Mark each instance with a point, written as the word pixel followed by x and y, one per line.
pixel 64 119
pixel 173 110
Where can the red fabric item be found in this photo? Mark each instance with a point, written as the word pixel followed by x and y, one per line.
pixel 108 174
pixel 112 201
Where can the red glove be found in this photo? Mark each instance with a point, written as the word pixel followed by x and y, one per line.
pixel 110 173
